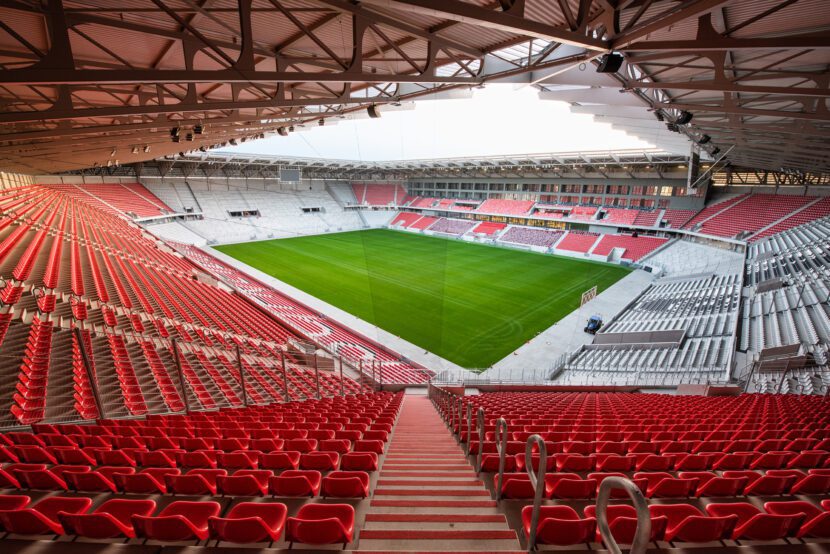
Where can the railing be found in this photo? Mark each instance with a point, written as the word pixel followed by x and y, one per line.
pixel 631 377
pixel 481 434
pixel 642 534
pixel 106 371
pixel 452 409
pixel 501 448
pixel 537 481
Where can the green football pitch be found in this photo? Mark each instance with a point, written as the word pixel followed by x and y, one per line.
pixel 469 303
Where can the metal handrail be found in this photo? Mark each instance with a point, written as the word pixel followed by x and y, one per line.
pixel 501 447
pixel 642 534
pixel 460 416
pixel 480 439
pixel 469 428
pixel 537 480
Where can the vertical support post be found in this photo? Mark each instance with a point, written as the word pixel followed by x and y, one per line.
pixel 480 439
pixel 342 384
pixel 537 479
pixel 501 446
pixel 93 384
pixel 241 376
pixel 317 376
pixel 284 376
pixel 380 375
pixel 374 380
pixel 176 357
pixel 360 371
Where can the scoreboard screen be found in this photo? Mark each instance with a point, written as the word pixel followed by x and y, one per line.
pixel 290 175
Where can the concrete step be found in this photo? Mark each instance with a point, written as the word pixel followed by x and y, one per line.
pixel 428 474
pixel 394 540
pixel 431 493
pixel 420 482
pixel 449 517
pixel 416 503
pixel 428 498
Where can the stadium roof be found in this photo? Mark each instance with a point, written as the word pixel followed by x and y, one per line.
pixel 86 84
pixel 594 165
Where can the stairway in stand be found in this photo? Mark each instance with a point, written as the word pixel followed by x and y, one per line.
pixel 428 497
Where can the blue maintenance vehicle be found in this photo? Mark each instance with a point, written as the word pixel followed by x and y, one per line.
pixel 594 324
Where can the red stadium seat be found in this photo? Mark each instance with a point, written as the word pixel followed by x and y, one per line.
pixel 111 519
pixel 205 459
pixel 41 479
pixel 194 482
pixel 734 461
pixel 622 519
pixel 245 482
pixel 346 484
pixel 147 481
pixel 240 459
pixel 687 524
pixel 364 445
pixel 808 459
pixel 569 486
pixel 753 524
pixel 763 485
pixel 301 445
pixel 814 522
pixel 267 445
pixel 517 485
pixel 772 460
pixel 98 480
pixel 559 525
pixel 250 522
pixel 178 521
pixel 814 483
pixel 321 461
pixel 617 493
pixel 321 524
pixel 709 484
pixel 13 501
pixel 296 483
pixel 663 485
pixel 42 518
pixel 280 460
pixel 359 461
pixel 614 462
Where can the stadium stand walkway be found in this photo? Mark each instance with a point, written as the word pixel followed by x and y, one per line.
pixel 566 335
pixel 428 496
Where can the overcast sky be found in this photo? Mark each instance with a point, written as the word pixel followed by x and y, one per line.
pixel 499 119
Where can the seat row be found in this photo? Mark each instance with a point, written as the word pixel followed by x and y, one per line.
pixel 663 462
pixel 637 445
pixel 684 523
pixel 687 484
pixel 342 483
pixel 245 522
pixel 221 438
pixel 128 455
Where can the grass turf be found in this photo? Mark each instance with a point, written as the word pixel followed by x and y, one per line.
pixel 469 303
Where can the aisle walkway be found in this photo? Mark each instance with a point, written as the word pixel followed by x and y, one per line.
pixel 428 496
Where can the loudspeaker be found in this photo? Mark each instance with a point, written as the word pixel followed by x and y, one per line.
pixel 374 112
pixel 610 63
pixel 282 131
pixel 684 118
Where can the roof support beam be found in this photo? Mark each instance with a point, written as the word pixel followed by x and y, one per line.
pixel 685 10
pixel 34 76
pixel 744 111
pixel 499 20
pixel 728 86
pixel 676 47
